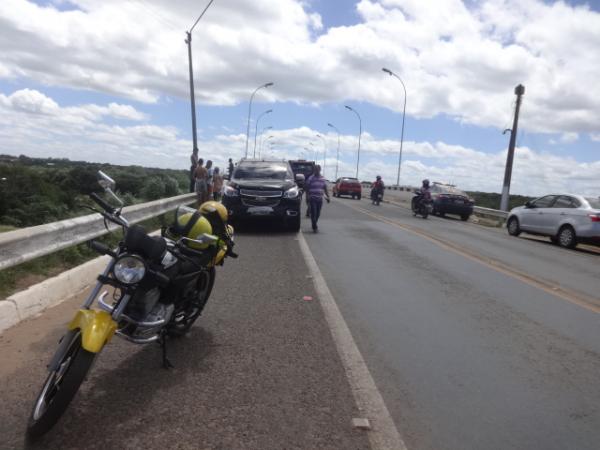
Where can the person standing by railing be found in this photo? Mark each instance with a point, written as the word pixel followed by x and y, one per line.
pixel 201 180
pixel 194 162
pixel 217 184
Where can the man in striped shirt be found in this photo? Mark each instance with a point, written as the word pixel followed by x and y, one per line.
pixel 316 187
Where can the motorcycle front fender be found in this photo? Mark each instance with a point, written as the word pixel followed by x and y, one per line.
pixel 220 255
pixel 97 328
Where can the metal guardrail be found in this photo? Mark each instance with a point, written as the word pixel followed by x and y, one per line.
pixel 490 212
pixel 26 244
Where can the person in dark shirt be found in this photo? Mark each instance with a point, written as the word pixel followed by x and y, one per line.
pixel 316 187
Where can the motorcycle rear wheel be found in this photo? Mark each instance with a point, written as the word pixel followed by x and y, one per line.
pixel 60 387
pixel 184 320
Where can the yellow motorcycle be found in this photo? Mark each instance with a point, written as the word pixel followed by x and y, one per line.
pixel 159 286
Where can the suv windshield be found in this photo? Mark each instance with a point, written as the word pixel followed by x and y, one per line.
pixel 262 171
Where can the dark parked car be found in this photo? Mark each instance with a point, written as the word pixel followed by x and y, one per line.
pixel 447 199
pixel 264 189
pixel 347 186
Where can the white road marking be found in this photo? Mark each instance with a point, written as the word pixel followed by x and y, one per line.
pixel 383 434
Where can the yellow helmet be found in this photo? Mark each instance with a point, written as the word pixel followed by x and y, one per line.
pixel 211 206
pixel 195 230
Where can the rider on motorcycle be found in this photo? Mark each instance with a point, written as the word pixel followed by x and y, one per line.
pixel 377 190
pixel 423 194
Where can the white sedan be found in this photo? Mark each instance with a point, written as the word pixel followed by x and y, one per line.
pixel 567 219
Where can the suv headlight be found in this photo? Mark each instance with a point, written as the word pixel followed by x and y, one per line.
pixel 129 269
pixel 291 193
pixel 230 191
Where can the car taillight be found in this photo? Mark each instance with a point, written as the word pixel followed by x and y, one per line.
pixel 594 217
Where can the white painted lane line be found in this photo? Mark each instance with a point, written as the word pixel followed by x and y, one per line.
pixel 383 434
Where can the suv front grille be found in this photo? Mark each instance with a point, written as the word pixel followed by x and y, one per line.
pixel 256 193
pixel 246 201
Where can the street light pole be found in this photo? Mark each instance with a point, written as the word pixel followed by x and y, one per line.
pixel 188 41
pixel 519 91
pixel 337 159
pixel 268 111
pixel 359 134
pixel 262 133
pixel 324 153
pixel 260 147
pixel 315 150
pixel 389 72
pixel 266 85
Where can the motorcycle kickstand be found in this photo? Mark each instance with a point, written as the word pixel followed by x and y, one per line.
pixel 163 344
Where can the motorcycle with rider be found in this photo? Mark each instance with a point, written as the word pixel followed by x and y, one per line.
pixel 422 203
pixel 153 288
pixel 377 190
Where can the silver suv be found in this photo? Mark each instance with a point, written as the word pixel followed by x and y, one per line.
pixel 567 219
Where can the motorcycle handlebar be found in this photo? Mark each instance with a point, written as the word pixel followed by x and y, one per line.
pixel 104 205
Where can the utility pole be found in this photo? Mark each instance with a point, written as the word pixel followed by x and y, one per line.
pixel 188 41
pixel 519 91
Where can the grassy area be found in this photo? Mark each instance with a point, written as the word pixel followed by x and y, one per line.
pixel 17 278
pixel 4 228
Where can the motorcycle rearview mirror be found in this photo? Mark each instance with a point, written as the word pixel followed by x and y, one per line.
pixel 108 184
pixel 105 181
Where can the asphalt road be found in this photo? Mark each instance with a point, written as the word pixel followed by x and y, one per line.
pixel 475 339
pixel 258 371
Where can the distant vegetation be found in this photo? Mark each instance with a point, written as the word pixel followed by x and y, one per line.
pixel 34 191
pixel 492 200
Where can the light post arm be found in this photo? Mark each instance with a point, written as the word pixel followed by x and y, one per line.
pixel 337 159
pixel 256 129
pixel 359 135
pixel 389 72
pixel 250 112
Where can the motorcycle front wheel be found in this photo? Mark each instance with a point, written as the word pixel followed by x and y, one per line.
pixel 60 386
pixel 184 319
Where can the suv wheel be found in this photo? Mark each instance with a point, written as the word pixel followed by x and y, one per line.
pixel 293 223
pixel 566 237
pixel 513 226
pixel 464 217
pixel 358 197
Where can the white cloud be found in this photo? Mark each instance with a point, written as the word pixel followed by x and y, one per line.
pixel 457 60
pixel 33 124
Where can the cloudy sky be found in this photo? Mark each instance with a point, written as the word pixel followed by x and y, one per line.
pixel 108 81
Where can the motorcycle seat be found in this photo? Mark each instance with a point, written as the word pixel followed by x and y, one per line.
pixel 151 247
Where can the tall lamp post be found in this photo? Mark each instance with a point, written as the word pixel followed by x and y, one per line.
pixel 337 159
pixel 268 111
pixel 260 148
pixel 266 85
pixel 359 134
pixel 188 41
pixel 262 133
pixel 315 150
pixel 324 152
pixel 390 73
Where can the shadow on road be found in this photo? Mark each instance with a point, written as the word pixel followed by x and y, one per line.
pixel 587 249
pixel 111 398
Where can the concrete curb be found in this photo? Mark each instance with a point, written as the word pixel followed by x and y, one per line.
pixel 35 299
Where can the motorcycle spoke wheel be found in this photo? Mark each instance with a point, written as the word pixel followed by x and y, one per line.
pixel 60 387
pixel 184 319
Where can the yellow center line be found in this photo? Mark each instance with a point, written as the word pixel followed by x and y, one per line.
pixel 546 286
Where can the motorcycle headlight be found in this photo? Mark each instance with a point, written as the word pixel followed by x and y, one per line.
pixel 230 191
pixel 291 193
pixel 129 269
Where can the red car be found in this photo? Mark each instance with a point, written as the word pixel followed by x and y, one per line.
pixel 347 186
